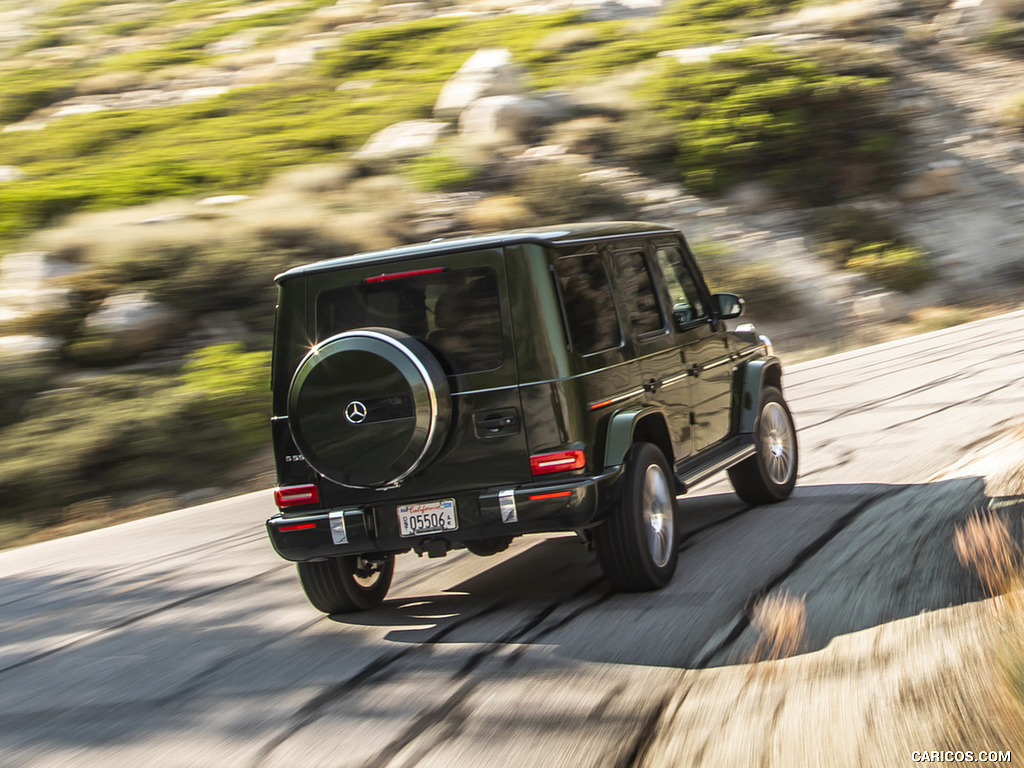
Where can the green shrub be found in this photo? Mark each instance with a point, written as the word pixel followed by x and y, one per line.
pixel 24 91
pixel 233 386
pixel 898 267
pixel 557 192
pixel 647 141
pixel 440 171
pixel 717 10
pixel 842 230
pixel 761 113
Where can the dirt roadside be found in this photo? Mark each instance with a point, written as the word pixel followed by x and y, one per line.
pixel 870 689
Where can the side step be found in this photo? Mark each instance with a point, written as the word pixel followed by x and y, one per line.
pixel 689 471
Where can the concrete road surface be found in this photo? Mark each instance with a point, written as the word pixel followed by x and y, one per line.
pixel 182 640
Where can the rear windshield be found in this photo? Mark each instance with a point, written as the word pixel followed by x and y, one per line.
pixel 454 311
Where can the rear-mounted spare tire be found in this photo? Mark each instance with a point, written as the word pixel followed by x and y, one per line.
pixel 369 407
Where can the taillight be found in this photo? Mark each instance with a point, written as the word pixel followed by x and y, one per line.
pixel 296 496
pixel 546 463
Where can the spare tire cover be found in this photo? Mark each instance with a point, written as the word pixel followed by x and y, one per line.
pixel 369 407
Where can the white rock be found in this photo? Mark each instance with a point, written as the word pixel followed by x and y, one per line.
pixel 405 139
pixel 488 72
pixel 699 54
pixel 26 362
pixel 25 283
pixel 884 306
pixel 27 347
pixel 10 173
pixel 223 200
pixel 968 18
pixel 750 197
pixel 79 109
pixel 500 119
pixel 134 323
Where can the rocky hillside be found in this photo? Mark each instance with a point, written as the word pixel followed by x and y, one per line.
pixel 852 169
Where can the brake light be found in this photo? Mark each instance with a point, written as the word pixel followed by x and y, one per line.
pixel 557 495
pixel 296 496
pixel 399 275
pixel 300 527
pixel 563 461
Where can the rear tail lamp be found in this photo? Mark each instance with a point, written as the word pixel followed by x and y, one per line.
pixel 296 496
pixel 546 463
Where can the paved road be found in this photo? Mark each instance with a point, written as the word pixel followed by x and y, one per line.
pixel 182 640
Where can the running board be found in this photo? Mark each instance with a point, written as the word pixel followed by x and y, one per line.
pixel 689 472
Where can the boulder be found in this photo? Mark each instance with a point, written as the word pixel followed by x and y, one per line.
pixel 129 323
pixel 501 119
pixel 938 178
pixel 26 284
pixel 970 18
pixel 405 139
pixel 488 72
pixel 26 362
pixel 883 306
pixel 750 197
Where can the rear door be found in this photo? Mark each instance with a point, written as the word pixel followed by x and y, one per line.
pixel 457 304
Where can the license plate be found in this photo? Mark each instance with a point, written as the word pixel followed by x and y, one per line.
pixel 428 517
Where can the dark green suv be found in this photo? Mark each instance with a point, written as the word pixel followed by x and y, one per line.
pixel 463 392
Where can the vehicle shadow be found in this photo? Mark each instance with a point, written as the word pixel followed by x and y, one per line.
pixel 857 556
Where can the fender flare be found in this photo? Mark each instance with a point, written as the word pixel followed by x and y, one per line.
pixel 753 377
pixel 619 435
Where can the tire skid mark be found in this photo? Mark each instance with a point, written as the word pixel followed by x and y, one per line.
pixel 310 712
pixel 452 705
pixel 433 715
pixel 686 541
pixel 121 624
pixel 742 621
pixel 963 373
pixel 218 545
pixel 934 353
pixel 975 399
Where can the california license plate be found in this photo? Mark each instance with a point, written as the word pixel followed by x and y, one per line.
pixel 428 517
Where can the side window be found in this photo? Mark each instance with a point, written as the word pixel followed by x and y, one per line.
pixel 682 288
pixel 593 324
pixel 638 292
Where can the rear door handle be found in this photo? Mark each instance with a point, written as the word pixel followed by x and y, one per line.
pixel 694 370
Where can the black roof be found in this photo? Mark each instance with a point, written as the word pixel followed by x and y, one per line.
pixel 560 235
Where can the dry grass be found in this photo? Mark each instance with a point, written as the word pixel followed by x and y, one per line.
pixel 499 212
pixel 781 622
pixel 984 545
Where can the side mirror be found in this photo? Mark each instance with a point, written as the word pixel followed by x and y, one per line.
pixel 727 305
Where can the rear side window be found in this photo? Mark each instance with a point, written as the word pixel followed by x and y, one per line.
pixel 639 295
pixel 589 307
pixel 457 312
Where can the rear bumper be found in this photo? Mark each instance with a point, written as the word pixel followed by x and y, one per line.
pixel 567 505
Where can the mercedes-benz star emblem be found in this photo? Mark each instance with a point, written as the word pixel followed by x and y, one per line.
pixel 355 412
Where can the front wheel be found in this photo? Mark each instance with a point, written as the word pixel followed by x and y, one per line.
pixel 636 544
pixel 770 474
pixel 347 584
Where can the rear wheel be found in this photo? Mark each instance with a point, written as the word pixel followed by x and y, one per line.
pixel 636 544
pixel 770 474
pixel 347 584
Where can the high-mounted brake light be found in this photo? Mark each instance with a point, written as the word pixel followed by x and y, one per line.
pixel 296 496
pixel 399 275
pixel 546 463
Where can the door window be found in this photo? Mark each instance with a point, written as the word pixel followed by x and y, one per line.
pixel 682 288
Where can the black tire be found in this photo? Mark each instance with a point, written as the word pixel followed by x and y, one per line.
pixel 637 544
pixel 769 475
pixel 347 584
